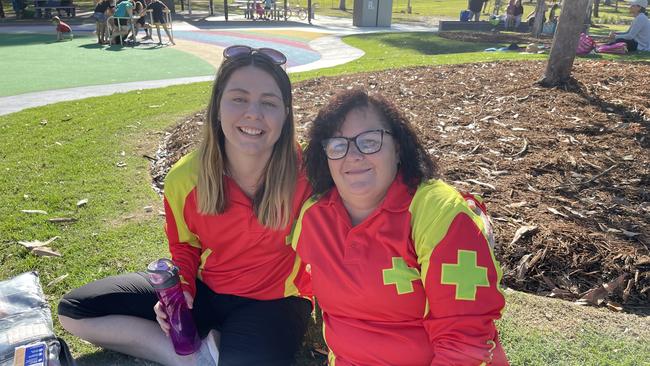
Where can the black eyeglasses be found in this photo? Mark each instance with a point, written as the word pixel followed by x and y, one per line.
pixel 276 56
pixel 368 142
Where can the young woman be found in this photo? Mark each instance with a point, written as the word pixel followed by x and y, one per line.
pixel 637 37
pixel 402 267
pixel 229 208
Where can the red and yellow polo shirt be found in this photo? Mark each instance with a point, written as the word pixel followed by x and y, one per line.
pixel 416 283
pixel 232 253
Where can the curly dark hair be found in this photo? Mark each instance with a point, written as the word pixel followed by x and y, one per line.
pixel 416 165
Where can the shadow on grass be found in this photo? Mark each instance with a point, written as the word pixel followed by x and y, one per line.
pixel 431 44
pixel 105 357
pixel 10 39
pixel 91 46
pixel 125 47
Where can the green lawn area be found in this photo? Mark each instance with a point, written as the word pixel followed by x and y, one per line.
pixel 56 155
pixel 391 50
pixel 58 63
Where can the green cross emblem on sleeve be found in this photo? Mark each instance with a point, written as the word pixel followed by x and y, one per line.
pixel 400 275
pixel 466 275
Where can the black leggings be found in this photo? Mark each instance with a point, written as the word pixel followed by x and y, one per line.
pixel 253 332
pixel 632 45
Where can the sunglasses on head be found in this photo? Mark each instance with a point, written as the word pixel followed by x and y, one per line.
pixel 276 56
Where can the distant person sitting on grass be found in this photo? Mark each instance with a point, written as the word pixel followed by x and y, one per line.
pixel 159 19
pixel 513 14
pixel 100 20
pixel 61 28
pixel 637 37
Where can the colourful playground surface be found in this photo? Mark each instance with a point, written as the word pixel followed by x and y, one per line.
pixel 38 70
pixel 36 62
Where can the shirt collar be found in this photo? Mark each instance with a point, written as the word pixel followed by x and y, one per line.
pixel 234 193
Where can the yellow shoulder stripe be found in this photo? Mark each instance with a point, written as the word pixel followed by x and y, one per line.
pixel 180 181
pixel 297 227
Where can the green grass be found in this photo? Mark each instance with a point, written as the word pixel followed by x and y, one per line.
pixel 57 63
pixel 55 155
pixel 538 331
pixel 393 50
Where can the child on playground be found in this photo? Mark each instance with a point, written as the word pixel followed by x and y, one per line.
pixel 141 10
pixel 61 28
pixel 158 8
pixel 100 19
pixel 268 8
pixel 259 10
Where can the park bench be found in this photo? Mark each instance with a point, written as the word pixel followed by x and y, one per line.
pixel 481 26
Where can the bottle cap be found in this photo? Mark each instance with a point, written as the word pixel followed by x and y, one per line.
pixel 162 273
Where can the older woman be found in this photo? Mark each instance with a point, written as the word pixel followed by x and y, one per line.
pixel 401 266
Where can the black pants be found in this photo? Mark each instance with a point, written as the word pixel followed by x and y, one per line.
pixel 632 45
pixel 253 332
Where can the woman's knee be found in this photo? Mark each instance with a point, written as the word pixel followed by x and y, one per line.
pixel 70 324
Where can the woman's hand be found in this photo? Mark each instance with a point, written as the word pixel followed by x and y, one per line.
pixel 161 316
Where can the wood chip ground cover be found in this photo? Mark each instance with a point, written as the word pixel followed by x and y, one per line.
pixel 574 164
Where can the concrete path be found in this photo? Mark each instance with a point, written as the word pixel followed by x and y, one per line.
pixel 332 50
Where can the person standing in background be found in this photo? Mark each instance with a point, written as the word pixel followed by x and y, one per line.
pixel 475 6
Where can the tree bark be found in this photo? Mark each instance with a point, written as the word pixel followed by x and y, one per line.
pixel 538 25
pixel 565 43
pixel 590 7
pixel 596 8
pixel 342 5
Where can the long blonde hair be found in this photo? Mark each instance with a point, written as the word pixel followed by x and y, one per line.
pixel 273 200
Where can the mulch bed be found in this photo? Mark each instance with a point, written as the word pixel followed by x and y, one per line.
pixel 565 173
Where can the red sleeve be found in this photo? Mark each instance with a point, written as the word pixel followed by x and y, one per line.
pixel 462 286
pixel 185 255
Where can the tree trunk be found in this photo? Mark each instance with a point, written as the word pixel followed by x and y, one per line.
pixel 616 6
pixel 596 8
pixel 538 25
pixel 342 4
pixel 565 43
pixel 590 7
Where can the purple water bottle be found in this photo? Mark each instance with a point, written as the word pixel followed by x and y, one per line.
pixel 163 276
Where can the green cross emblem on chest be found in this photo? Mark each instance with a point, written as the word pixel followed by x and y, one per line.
pixel 466 275
pixel 401 275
